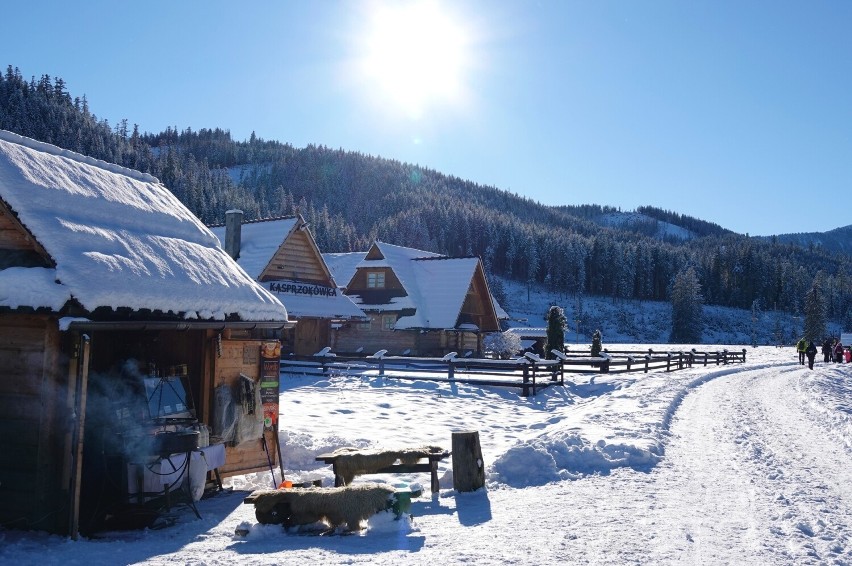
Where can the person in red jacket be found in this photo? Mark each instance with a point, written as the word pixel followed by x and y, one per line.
pixel 838 352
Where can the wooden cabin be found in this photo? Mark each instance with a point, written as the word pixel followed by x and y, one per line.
pixel 124 328
pixel 419 303
pixel 283 256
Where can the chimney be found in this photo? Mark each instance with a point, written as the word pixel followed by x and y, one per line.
pixel 233 232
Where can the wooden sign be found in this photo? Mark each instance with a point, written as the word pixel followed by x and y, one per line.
pixel 270 372
pixel 287 288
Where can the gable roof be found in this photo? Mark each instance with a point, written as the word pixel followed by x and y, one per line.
pixel 259 240
pixel 118 239
pixel 263 243
pixel 343 265
pixel 435 286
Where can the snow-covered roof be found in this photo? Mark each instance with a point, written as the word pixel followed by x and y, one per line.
pixel 304 300
pixel 343 265
pixel 119 239
pixel 529 332
pixel 438 287
pixel 259 241
pixel 435 286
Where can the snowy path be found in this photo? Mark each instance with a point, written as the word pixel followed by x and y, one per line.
pixel 749 477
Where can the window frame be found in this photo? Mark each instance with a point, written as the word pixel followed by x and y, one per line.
pixel 375 280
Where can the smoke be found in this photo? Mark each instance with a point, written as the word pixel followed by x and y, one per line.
pixel 116 411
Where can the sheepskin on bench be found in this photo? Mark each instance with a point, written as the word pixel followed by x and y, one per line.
pixel 337 506
pixel 351 462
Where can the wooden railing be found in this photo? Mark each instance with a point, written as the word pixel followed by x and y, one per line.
pixel 530 373
pixel 526 372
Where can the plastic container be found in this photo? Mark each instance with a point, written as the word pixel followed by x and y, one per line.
pixel 203 435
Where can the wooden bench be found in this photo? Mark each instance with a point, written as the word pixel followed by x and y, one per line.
pixel 427 462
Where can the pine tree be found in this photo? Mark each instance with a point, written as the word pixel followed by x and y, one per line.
pixel 814 328
pixel 686 303
pixel 556 324
pixel 596 343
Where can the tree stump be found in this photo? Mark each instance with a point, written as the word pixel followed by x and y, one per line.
pixel 468 467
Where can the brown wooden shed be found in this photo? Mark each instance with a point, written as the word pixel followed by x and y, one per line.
pixel 108 284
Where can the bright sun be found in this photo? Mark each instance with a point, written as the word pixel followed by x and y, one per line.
pixel 414 56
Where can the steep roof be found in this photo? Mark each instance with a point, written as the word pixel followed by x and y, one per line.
pixel 435 286
pixel 438 287
pixel 259 240
pixel 118 239
pixel 343 265
pixel 263 240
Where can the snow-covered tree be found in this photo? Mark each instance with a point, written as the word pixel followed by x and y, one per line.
pixel 503 344
pixel 687 315
pixel 596 343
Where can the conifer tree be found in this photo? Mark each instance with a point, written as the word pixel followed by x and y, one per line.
pixel 686 303
pixel 556 324
pixel 814 328
pixel 596 343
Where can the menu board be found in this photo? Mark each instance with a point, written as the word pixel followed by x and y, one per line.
pixel 270 372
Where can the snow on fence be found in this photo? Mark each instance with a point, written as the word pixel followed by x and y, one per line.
pixel 526 372
pixel 531 373
pixel 628 360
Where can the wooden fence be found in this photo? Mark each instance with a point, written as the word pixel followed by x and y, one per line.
pixel 530 373
pixel 621 361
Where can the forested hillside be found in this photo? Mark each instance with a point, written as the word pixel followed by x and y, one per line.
pixel 349 199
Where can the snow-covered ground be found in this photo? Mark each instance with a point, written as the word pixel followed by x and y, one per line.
pixel 738 464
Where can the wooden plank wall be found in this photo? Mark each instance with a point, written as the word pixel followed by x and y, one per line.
pixel 12 236
pixel 242 356
pixel 297 260
pixel 31 390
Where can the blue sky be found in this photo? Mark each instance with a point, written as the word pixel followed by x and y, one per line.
pixel 739 113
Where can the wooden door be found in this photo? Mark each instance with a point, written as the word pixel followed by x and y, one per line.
pixel 312 335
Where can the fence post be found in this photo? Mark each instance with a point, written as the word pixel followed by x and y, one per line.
pixel 744 354
pixel 451 371
pixel 647 361
pixel 668 361
pixel 629 361
pixel 533 378
pixel 526 390
pixel 726 356
pixel 381 366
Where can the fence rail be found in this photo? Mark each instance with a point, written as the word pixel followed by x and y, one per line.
pixel 530 373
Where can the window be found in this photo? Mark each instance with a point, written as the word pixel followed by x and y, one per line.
pixel 388 321
pixel 365 326
pixel 376 279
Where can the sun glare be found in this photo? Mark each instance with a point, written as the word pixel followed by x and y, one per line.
pixel 414 56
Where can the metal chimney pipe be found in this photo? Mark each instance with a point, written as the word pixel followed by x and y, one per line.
pixel 233 232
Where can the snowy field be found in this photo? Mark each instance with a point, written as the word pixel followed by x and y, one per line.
pixel 739 464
